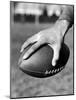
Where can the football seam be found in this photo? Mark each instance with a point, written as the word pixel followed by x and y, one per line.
pixel 54 71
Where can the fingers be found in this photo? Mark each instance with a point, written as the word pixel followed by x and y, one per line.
pixel 26 43
pixel 32 49
pixel 29 41
pixel 56 54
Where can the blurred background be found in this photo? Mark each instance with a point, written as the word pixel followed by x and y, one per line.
pixel 27 19
pixel 35 13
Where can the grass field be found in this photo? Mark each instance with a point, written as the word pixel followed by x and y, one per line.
pixel 23 85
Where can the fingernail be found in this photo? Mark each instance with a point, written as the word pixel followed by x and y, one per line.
pixel 25 56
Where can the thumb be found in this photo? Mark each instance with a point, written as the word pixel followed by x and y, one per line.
pixel 56 49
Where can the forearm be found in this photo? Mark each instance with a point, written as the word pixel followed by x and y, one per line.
pixel 68 14
pixel 66 20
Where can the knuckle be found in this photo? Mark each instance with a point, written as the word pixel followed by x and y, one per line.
pixel 38 36
pixel 28 40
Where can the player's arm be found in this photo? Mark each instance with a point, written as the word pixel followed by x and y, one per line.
pixel 67 17
pixel 52 36
pixel 68 14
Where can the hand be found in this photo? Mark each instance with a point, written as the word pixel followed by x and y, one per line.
pixel 52 36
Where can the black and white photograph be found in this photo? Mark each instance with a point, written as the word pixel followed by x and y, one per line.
pixel 41 49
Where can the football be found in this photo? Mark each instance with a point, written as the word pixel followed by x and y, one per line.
pixel 39 64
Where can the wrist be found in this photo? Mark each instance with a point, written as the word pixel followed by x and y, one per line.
pixel 63 26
